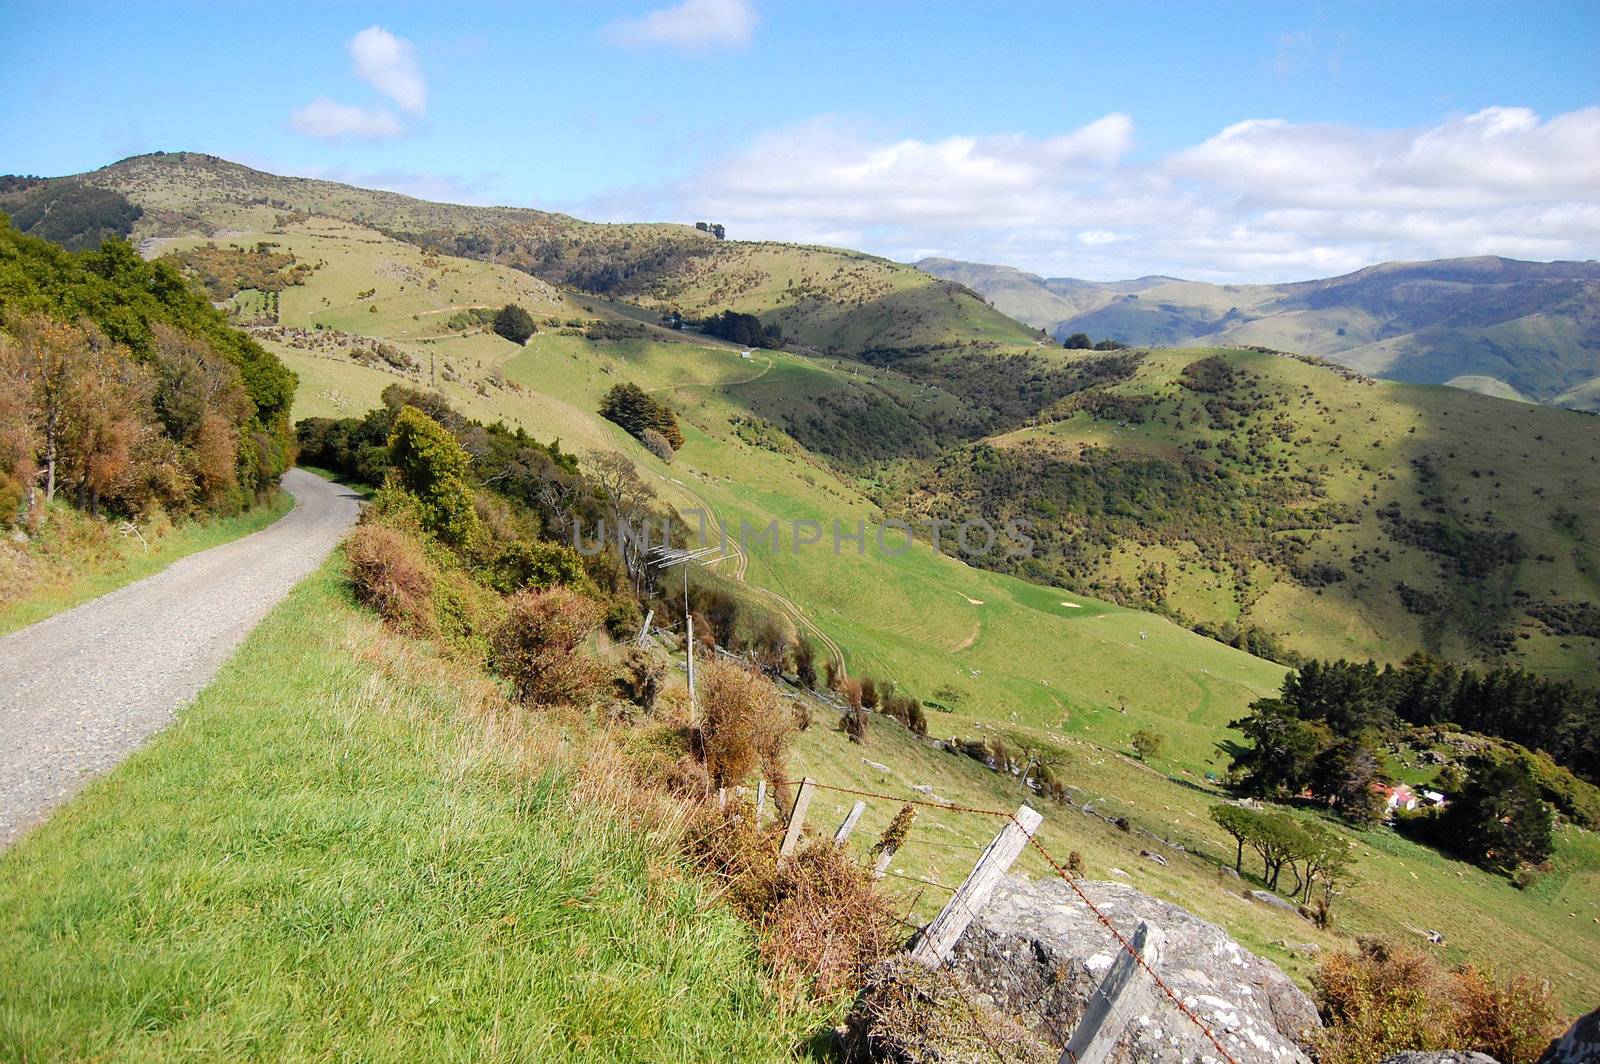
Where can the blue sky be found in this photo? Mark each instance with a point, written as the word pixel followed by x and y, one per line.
pixel 1086 139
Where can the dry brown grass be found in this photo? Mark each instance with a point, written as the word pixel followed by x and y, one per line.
pixel 1385 999
pixel 907 1012
pixel 819 918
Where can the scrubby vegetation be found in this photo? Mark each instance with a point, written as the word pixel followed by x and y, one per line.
pixel 225 272
pixel 1384 999
pixel 122 389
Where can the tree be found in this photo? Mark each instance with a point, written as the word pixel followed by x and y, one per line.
pixel 745 329
pixel 1279 840
pixel 1348 696
pixel 1078 342
pixel 1146 744
pixel 1499 818
pixel 514 323
pixel 1238 822
pixel 429 463
pixel 637 411
pixel 628 499
pixel 1345 774
pixel 1282 750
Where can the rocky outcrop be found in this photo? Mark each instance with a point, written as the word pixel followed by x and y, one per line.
pixel 1036 952
pixel 1580 1045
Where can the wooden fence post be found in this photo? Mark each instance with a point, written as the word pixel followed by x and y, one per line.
pixel 1124 993
pixel 940 936
pixel 849 824
pixel 761 802
pixel 797 817
pixel 644 629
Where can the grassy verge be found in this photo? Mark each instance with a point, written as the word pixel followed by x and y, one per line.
pixel 345 850
pixel 78 558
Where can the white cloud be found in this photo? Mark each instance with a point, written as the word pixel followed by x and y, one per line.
pixel 326 119
pixel 1263 199
pixel 693 25
pixel 389 64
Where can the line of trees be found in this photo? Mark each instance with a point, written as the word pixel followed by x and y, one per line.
pixel 1558 717
pixel 1313 853
pixel 1321 737
pixel 743 329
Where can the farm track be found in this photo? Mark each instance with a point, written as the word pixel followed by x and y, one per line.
pixel 82 690
pixel 740 572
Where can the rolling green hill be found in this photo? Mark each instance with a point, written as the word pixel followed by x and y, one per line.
pixel 799 435
pixel 1507 327
pixel 1294 506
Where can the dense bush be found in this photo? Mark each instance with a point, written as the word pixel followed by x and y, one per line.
pixel 126 391
pixel 639 412
pixel 126 298
pixel 390 573
pixel 540 650
pixel 742 725
pixel 514 323
pixel 1383 999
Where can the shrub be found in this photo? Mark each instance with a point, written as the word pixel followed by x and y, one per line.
pixel 390 573
pixel 640 677
pixel 742 724
pixel 535 564
pixel 623 618
pixel 539 647
pixel 1146 744
pixel 430 463
pixel 1383 999
pixel 514 323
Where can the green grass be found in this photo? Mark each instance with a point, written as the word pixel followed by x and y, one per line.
pixel 83 559
pixel 336 854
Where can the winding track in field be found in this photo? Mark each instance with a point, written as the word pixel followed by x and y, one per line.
pixel 741 568
pixel 82 690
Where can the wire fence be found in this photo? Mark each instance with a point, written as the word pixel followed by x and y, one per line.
pixel 1122 940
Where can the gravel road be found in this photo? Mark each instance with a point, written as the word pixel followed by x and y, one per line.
pixel 83 689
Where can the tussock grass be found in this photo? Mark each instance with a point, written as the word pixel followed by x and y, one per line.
pixel 348 848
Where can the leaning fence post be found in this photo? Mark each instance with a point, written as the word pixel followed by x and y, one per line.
pixel 849 824
pixel 644 629
pixel 797 817
pixel 1124 993
pixel 940 936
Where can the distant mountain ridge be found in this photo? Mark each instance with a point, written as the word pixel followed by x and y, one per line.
pixel 1506 327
